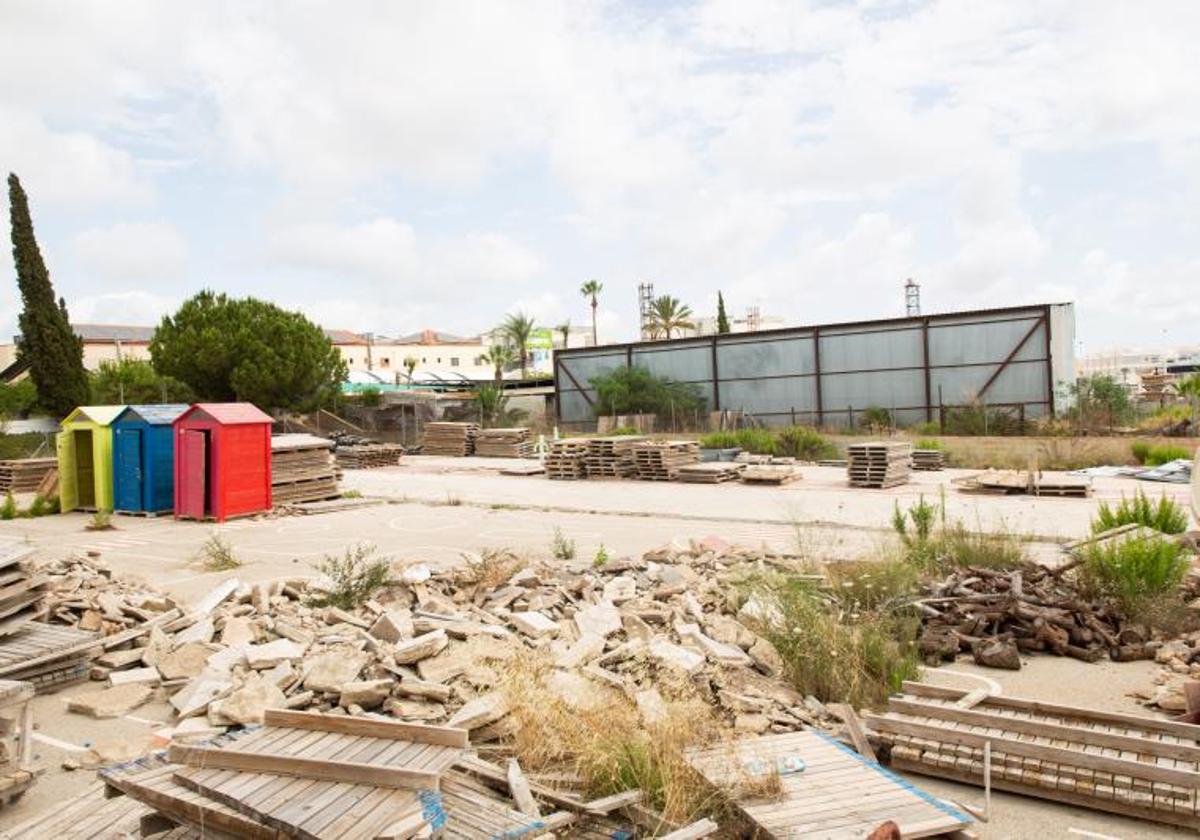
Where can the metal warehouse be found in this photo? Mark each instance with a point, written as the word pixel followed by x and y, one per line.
pixel 1021 358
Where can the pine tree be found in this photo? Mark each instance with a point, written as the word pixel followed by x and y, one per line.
pixel 722 318
pixel 54 352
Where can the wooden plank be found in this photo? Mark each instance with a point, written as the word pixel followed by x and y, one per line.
pixel 1182 730
pixel 701 828
pixel 1041 752
pixel 445 736
pixel 854 728
pixel 335 771
pixel 611 803
pixel 1047 729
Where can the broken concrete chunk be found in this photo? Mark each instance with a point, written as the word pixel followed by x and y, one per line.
pixel 620 589
pixel 422 647
pixel 184 662
pixel 194 697
pixel 717 651
pixel 601 619
pixel 227 659
pixel 420 688
pixel 248 703
pixel 158 645
pixel 366 693
pixel 481 711
pixel 120 658
pixel 111 702
pixel 674 656
pixel 534 624
pixel 135 676
pixel 333 668
pixel 587 648
pixel 201 631
pixel 238 631
pixel 393 626
pixel 651 706
pixel 260 657
pixel 766 657
pixel 215 596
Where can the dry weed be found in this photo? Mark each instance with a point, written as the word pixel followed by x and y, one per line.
pixel 491 570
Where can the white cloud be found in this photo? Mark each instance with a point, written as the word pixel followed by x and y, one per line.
pixel 133 252
pixel 136 307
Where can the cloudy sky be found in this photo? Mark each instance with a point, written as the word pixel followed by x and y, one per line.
pixel 397 165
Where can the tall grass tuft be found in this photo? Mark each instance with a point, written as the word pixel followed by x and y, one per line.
pixel 927 443
pixel 937 550
pixel 800 442
pixel 1165 515
pixel 1137 574
pixel 1164 453
pixel 8 508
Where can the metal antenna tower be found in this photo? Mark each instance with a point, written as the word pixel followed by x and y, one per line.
pixel 645 298
pixel 912 298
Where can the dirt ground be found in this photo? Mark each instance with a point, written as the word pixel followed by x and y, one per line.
pixel 432 509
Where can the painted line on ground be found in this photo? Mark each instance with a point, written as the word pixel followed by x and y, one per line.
pixel 57 744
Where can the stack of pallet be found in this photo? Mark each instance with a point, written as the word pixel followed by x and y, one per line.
pixel 25 474
pixel 612 457
pixel 662 460
pixel 928 459
pixel 1135 766
pixel 710 472
pixel 879 464
pixel 503 443
pixel 22 593
pixel 303 469
pixel 368 456
pixel 442 438
pixel 16 739
pixel 354 777
pixel 567 459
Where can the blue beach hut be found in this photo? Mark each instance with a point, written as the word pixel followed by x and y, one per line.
pixel 144 458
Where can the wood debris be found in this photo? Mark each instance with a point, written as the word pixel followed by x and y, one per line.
pixel 1030 482
pixel 303 469
pixel 879 464
pixel 368 456
pixel 928 459
pixel 504 443
pixel 567 459
pixel 24 475
pixel 445 438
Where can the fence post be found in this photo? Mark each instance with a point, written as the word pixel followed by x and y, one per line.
pixel 793 415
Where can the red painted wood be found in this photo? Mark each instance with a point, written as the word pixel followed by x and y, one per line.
pixel 238 460
pixel 191 474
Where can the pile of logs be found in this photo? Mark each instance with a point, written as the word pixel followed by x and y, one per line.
pixel 25 474
pixel 303 469
pixel 998 614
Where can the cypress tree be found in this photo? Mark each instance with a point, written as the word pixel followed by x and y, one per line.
pixel 54 352
pixel 722 318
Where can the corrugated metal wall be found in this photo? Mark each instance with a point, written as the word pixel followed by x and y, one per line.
pixel 825 374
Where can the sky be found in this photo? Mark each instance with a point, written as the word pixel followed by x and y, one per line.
pixel 390 167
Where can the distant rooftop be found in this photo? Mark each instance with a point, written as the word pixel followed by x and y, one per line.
pixel 113 332
pixel 344 337
pixel 436 337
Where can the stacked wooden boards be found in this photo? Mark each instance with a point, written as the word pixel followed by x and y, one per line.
pixel 1011 482
pixel 826 789
pixel 661 460
pixel 16 739
pixel 928 459
pixel 86 816
pixel 567 459
pixel 1139 767
pixel 22 593
pixel 25 474
pixel 612 457
pixel 503 443
pixel 710 472
pixel 48 655
pixel 775 474
pixel 368 456
pixel 444 438
pixel 303 774
pixel 303 469
pixel 879 464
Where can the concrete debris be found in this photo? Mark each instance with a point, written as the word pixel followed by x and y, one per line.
pixel 111 702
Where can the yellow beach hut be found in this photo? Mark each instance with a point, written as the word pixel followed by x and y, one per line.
pixel 85 458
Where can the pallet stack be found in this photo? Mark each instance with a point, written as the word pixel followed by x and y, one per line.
pixel 567 459
pixel 25 474
pixel 662 460
pixel 710 472
pixel 368 456
pixel 22 593
pixel 879 464
pixel 928 459
pixel 356 778
pixel 612 457
pixel 444 438
pixel 303 469
pixel 16 740
pixel 504 443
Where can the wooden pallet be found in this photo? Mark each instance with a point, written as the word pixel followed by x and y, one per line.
pixel 661 460
pixel 710 472
pixel 24 475
pixel 878 464
pixel 504 443
pixel 445 438
pixel 928 459
pixel 369 456
pixel 1136 766
pixel 829 791
pixel 86 816
pixel 567 459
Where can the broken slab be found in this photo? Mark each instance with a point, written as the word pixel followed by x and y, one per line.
pixel 393 626
pixel 213 598
pixel 674 656
pixel 587 648
pixel 717 651
pixel 248 703
pixel 111 702
pixel 238 631
pixel 481 711
pixel 651 706
pixel 422 647
pixel 334 668
pixel 601 619
pixel 185 662
pixel 262 657
pixel 534 624
pixel 194 697
pixel 135 676
pixel 365 693
pixel 201 631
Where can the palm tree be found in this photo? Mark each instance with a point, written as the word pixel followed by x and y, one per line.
pixel 591 289
pixel 499 356
pixel 517 329
pixel 667 314
pixel 410 364
pixel 564 329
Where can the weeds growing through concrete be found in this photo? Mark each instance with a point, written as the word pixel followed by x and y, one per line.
pixel 352 494
pixel 601 559
pixel 101 521
pixel 561 547
pixel 355 575
pixel 1137 574
pixel 217 554
pixel 1165 515
pixel 490 569
pixel 8 509
pixel 934 546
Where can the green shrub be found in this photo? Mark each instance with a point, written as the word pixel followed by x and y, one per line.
pixel 938 551
pixel 1165 515
pixel 561 547
pixel 978 419
pixel 805 443
pixel 927 427
pixel 875 417
pixel 1134 573
pixel 635 390
pixel 758 441
pixel 41 506
pixel 1164 453
pixel 622 430
pixel 101 521
pixel 1140 450
pixel 859 659
pixel 8 509
pixel 719 440
pixel 602 557
pixel 928 443
pixel 356 575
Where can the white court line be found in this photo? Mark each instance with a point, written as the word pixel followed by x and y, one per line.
pixel 54 742
pixel 137 719
pixel 1085 833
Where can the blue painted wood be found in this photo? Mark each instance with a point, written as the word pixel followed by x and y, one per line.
pixel 150 488
pixel 127 468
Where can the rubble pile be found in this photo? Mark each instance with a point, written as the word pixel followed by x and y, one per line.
pixel 996 615
pixel 432 648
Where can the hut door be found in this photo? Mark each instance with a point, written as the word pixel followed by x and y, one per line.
pixel 68 489
pixel 192 472
pixel 129 469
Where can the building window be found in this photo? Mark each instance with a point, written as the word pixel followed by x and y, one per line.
pixel 454 361
pixel 423 360
pixel 385 362
pixel 439 361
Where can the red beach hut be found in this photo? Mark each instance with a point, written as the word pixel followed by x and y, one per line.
pixel 222 461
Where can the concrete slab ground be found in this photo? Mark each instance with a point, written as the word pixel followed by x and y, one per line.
pixel 432 509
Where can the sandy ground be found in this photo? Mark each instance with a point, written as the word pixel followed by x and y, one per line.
pixel 432 509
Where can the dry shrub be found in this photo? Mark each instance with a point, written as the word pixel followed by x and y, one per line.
pixel 607 745
pixel 757 787
pixel 493 568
